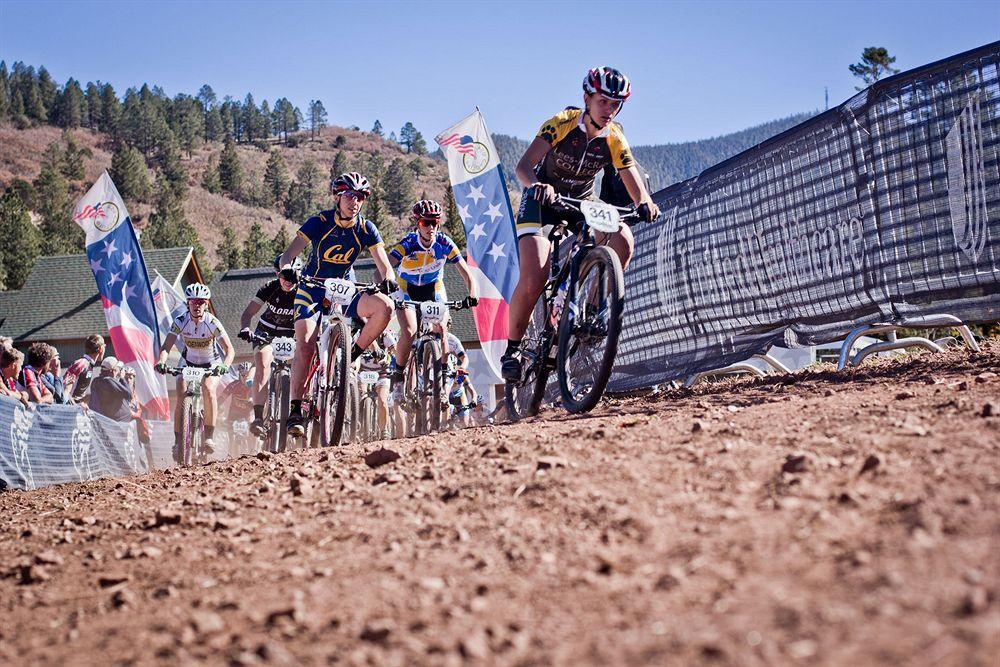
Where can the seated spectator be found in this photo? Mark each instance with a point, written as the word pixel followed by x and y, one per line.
pixel 110 395
pixel 79 374
pixel 10 367
pixel 52 378
pixel 39 356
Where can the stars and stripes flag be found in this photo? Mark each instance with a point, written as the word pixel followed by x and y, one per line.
pixel 478 184
pixel 123 284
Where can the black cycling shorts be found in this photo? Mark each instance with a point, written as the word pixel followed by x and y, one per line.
pixel 533 215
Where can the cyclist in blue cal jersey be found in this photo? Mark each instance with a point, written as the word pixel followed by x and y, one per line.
pixel 338 238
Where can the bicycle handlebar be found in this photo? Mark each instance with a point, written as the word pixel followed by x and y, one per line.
pixel 178 370
pixel 366 288
pixel 453 305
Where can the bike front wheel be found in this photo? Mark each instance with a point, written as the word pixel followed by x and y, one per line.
pixel 429 405
pixel 335 398
pixel 525 398
pixel 589 330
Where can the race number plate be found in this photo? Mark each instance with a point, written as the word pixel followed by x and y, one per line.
pixel 192 374
pixel 368 377
pixel 432 312
pixel 241 428
pixel 340 292
pixel 600 216
pixel 284 348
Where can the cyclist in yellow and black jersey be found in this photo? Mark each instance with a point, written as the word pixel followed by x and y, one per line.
pixel 571 148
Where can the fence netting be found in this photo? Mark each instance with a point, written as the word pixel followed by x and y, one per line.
pixel 876 211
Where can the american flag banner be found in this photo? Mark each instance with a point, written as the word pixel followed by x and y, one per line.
pixel 481 197
pixel 116 260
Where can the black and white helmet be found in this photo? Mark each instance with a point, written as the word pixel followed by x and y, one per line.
pixel 609 82
pixel 352 180
pixel 197 291
pixel 426 209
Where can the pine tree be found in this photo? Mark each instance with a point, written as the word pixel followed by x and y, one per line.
pixel 60 234
pixel 20 242
pixel 95 106
pixel 392 138
pixel 4 91
pixel 72 163
pixel 111 111
pixel 70 106
pixel 875 63
pixel 214 129
pixel 304 194
pixel 168 226
pixel 281 240
pixel 406 136
pixel 257 250
pixel 230 170
pixel 377 129
pixel 339 165
pixel 47 89
pixel 188 123
pixel 375 172
pixel 317 118
pixel 228 251
pixel 128 171
pixel 398 188
pixel 417 167
pixel 172 170
pixel 276 179
pixel 453 221
pixel 210 179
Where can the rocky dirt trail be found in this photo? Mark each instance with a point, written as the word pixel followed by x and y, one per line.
pixel 819 518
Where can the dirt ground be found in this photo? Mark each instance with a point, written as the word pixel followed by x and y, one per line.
pixel 818 518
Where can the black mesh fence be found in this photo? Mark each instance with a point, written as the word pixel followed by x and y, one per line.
pixel 876 211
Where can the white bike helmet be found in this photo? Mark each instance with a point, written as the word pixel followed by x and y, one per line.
pixel 388 339
pixel 244 368
pixel 197 291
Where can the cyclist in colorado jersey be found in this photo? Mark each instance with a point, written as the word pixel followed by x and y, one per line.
pixel 421 256
pixel 570 150
pixel 277 299
pixel 202 334
pixel 338 238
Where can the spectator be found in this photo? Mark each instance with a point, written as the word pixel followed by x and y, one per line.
pixel 80 373
pixel 52 378
pixel 39 356
pixel 10 367
pixel 110 395
pixel 6 341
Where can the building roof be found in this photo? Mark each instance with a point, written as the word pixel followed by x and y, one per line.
pixel 59 300
pixel 233 290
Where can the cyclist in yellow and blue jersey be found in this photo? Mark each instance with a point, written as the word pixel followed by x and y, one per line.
pixel 571 148
pixel 421 256
pixel 338 238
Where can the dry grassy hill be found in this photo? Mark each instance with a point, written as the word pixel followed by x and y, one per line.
pixel 21 154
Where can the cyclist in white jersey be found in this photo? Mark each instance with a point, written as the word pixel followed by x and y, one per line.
pixel 202 334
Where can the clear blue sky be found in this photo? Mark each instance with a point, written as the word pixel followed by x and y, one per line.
pixel 699 69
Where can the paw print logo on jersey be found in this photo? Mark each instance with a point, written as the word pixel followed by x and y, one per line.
pixel 548 133
pixel 626 159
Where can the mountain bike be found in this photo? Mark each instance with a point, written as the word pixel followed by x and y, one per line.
pixel 192 412
pixel 576 322
pixel 329 400
pixel 276 412
pixel 423 389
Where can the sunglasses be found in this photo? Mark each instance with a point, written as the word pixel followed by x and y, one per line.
pixel 356 196
pixel 197 302
pixel 430 223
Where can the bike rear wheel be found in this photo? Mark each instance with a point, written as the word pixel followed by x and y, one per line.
pixel 524 398
pixel 336 396
pixel 589 330
pixel 187 428
pixel 365 419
